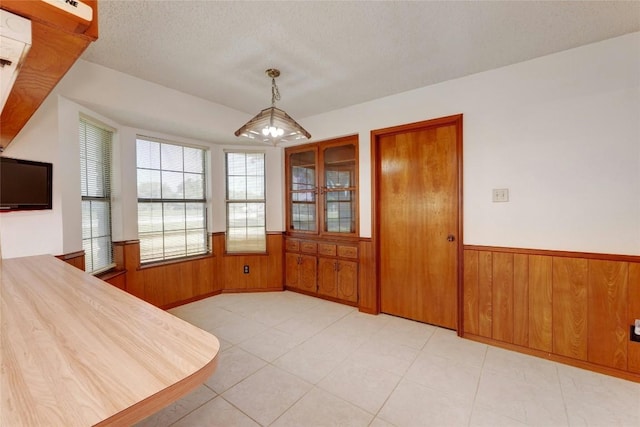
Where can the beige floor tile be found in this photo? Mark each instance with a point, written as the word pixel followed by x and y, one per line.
pixel 238 330
pixel 216 413
pixel 481 417
pixel 309 323
pixel 413 405
pixel 267 394
pixel 179 409
pixel 447 344
pixel 521 401
pixel 380 353
pixel 405 332
pixel 270 344
pixel 366 387
pixel 204 316
pixel 428 376
pixel 447 375
pixel 522 367
pixel 594 399
pixel 234 365
pixel 379 422
pixel 359 325
pixel 315 358
pixel 319 408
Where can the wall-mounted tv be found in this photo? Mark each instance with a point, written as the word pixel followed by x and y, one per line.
pixel 25 185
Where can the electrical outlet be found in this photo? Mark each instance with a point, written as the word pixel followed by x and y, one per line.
pixel 500 195
pixel 634 331
pixel 246 269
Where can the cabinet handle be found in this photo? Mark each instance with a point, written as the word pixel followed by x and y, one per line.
pixel 336 266
pixel 299 260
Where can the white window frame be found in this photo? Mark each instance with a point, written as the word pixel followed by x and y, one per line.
pixel 164 202
pixel 90 241
pixel 236 246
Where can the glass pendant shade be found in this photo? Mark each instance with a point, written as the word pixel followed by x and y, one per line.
pixel 272 125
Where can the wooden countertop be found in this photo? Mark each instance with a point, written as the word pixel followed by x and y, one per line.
pixel 77 351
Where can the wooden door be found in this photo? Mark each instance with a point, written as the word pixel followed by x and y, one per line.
pixel 417 217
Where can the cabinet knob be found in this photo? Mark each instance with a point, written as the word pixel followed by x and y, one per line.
pixel 451 238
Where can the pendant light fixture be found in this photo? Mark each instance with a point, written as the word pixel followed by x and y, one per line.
pixel 272 125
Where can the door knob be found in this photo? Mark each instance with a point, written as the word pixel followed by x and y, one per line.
pixel 451 238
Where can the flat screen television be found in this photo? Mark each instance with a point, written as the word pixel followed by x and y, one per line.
pixel 25 185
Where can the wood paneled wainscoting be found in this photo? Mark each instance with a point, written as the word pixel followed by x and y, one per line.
pixel 171 283
pixel 75 258
pixel 570 307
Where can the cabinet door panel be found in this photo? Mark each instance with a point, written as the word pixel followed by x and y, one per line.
pixel 348 281
pixel 291 270
pixel 308 273
pixel 327 284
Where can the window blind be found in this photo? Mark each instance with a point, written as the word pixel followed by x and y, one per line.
pixel 171 200
pixel 246 202
pixel 95 182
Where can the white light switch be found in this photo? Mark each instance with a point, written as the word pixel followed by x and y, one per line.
pixel 500 195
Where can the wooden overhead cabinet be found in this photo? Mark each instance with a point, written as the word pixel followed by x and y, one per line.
pixel 58 39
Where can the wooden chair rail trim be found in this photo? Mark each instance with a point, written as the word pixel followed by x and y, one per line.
pixel 548 252
pixel 630 376
pixel 71 255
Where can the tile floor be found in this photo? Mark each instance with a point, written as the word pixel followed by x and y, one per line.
pixel 291 360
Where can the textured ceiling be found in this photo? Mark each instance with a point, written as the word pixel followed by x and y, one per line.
pixel 335 54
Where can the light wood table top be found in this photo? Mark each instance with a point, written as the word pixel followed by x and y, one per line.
pixel 77 351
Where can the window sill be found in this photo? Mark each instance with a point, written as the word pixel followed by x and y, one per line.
pixel 153 264
pixel 110 274
pixel 265 253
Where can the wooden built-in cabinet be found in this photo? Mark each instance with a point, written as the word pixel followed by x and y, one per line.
pixel 301 268
pixel 322 188
pixel 323 268
pixel 338 271
pixel 321 248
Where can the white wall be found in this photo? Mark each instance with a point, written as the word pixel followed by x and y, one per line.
pixel 562 132
pixel 36 232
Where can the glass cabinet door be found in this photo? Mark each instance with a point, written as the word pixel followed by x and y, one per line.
pixel 303 191
pixel 339 189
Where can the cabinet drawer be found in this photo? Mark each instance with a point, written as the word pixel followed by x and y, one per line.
pixel 348 251
pixel 292 245
pixel 309 247
pixel 325 249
